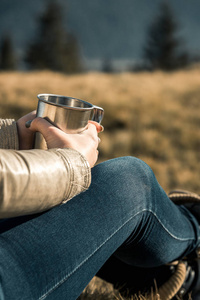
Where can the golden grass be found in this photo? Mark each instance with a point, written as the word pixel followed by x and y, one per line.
pixel 98 289
pixel 154 116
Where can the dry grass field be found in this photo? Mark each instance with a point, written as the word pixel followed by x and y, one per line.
pixel 154 116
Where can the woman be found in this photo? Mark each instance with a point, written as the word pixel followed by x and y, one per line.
pixel 50 248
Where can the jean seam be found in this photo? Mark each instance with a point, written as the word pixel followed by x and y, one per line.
pixel 85 260
pixel 172 235
pixel 101 245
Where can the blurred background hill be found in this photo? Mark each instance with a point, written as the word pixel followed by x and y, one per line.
pixel 111 30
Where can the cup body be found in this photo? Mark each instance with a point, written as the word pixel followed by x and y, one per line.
pixel 69 114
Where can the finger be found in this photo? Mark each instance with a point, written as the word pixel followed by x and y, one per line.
pixel 32 114
pixel 39 124
pixel 29 116
pixel 92 129
pixel 99 127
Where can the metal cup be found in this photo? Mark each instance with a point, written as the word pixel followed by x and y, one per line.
pixel 69 114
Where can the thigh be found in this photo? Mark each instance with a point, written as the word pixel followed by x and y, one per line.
pixel 57 252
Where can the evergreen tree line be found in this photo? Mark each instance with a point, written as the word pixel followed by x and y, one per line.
pixel 53 48
pixel 56 49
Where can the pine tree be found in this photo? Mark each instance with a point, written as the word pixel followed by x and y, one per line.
pixel 54 48
pixel 162 48
pixel 8 57
pixel 107 66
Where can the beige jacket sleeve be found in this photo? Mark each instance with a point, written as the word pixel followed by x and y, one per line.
pixel 32 181
pixel 8 134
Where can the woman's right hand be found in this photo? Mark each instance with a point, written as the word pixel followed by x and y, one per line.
pixel 85 142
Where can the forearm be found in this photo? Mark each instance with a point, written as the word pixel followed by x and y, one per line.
pixel 35 180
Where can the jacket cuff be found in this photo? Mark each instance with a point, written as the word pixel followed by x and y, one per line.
pixel 8 134
pixel 80 172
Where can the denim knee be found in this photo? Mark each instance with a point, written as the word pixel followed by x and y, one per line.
pixel 142 182
pixel 135 167
pixel 125 164
pixel 129 178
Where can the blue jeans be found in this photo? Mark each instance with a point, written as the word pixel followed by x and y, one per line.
pixel 125 213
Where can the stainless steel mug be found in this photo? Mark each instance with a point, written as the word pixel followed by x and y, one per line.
pixel 69 114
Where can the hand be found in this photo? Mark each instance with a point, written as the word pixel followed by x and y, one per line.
pixel 24 134
pixel 85 142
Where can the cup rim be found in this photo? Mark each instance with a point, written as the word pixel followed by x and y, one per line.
pixel 91 106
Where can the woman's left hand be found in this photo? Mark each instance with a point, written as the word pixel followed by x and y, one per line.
pixel 24 134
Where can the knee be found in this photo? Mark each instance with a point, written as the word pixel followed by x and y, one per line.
pixel 132 164
pixel 128 171
pixel 131 168
pixel 128 180
pixel 137 172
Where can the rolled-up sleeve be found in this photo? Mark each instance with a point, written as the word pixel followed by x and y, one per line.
pixel 33 181
pixel 8 134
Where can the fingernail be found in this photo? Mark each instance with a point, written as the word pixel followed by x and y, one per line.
pixel 28 124
pixel 102 128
